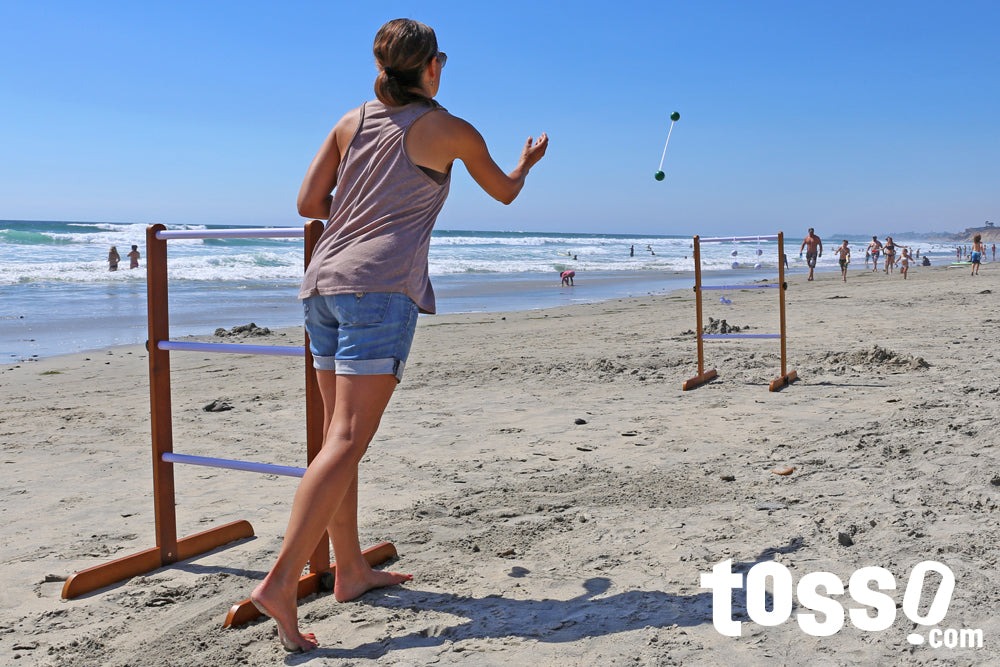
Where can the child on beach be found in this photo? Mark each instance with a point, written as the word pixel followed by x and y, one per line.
pixel 844 253
pixel 567 277
pixel 379 179
pixel 904 262
pixel 978 250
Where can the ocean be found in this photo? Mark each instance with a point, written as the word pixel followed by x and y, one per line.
pixel 59 297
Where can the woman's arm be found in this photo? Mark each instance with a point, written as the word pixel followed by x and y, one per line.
pixel 472 151
pixel 438 139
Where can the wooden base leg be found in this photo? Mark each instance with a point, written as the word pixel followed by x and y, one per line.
pixel 243 612
pixel 783 381
pixel 146 561
pixel 699 380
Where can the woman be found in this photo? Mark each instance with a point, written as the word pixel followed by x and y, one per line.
pixel 889 250
pixel 379 179
pixel 113 259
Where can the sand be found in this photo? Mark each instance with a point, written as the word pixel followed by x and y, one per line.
pixel 555 494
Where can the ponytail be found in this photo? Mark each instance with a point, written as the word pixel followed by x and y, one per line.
pixel 402 49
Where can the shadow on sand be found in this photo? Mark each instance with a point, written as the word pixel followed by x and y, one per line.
pixel 546 620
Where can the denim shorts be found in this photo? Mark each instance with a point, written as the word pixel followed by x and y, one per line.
pixel 366 333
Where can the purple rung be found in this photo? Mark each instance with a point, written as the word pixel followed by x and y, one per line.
pixel 229 464
pixel 741 336
pixel 738 287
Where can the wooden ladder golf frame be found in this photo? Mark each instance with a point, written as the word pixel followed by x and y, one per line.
pixel 703 376
pixel 169 548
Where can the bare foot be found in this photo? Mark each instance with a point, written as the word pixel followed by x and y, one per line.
pixel 284 613
pixel 348 586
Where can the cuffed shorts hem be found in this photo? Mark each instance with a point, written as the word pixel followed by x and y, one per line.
pixel 389 366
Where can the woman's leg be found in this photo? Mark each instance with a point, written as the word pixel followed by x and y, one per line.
pixel 358 402
pixel 354 576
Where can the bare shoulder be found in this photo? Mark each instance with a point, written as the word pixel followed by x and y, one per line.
pixel 440 121
pixel 347 126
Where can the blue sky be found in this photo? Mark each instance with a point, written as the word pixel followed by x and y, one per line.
pixel 861 117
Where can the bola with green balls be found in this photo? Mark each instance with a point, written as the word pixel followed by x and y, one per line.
pixel 674 117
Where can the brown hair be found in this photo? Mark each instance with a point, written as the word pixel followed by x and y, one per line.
pixel 402 49
pixel 977 238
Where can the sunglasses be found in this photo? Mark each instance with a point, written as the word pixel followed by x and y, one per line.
pixel 442 58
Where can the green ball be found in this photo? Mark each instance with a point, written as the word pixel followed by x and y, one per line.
pixel 675 116
pixel 659 175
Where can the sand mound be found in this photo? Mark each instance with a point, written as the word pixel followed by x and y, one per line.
pixel 873 358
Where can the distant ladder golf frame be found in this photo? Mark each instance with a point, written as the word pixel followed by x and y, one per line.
pixel 169 548
pixel 703 376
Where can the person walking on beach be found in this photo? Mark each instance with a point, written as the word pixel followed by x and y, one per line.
pixel 890 254
pixel 379 179
pixel 814 250
pixel 844 253
pixel 133 257
pixel 113 259
pixel 904 262
pixel 978 250
pixel 875 247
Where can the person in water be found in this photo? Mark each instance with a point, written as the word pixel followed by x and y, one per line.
pixel 113 259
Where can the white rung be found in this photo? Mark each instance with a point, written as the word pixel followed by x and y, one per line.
pixel 261 233
pixel 732 239
pixel 234 348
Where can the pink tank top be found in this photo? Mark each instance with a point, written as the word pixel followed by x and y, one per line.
pixel 383 210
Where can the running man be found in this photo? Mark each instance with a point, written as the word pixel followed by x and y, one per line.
pixel 875 247
pixel 814 250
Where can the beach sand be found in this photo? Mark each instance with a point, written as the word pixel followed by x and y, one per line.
pixel 532 538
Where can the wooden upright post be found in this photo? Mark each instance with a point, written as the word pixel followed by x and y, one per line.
pixel 702 377
pixel 786 377
pixel 320 560
pixel 159 395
